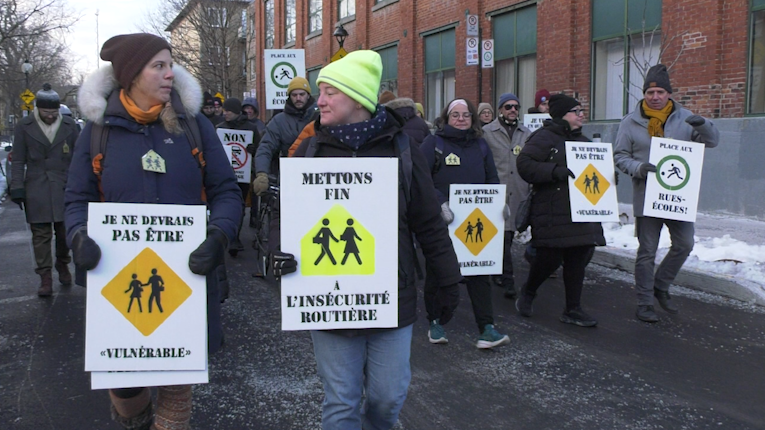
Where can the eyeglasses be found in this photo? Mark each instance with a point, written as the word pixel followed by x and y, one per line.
pixel 578 111
pixel 456 115
pixel 511 107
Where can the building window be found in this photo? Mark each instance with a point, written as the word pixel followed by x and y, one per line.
pixel 269 8
pixel 757 59
pixel 346 8
pixel 389 79
pixel 215 56
pixel 216 17
pixel 516 58
pixel 290 21
pixel 439 72
pixel 314 15
pixel 626 42
pixel 313 74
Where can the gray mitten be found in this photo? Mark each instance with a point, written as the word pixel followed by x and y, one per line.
pixel 645 168
pixel 447 213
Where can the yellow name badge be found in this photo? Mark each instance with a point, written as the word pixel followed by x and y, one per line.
pixel 517 150
pixel 65 148
pixel 452 160
pixel 152 162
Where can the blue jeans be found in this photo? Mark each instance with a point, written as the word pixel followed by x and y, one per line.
pixel 375 366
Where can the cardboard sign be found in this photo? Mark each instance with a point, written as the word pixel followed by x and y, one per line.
pixel 535 121
pixel 673 191
pixel 343 218
pixel 478 229
pixel 127 379
pixel 281 66
pixel 592 194
pixel 145 309
pixel 236 142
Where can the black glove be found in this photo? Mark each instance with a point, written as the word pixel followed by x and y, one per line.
pixel 645 168
pixel 209 254
pixel 18 196
pixel 447 299
pixel 251 149
pixel 695 120
pixel 282 264
pixel 85 250
pixel 560 173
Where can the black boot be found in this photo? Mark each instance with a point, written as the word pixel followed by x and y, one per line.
pixel 46 284
pixel 665 301
pixel 646 313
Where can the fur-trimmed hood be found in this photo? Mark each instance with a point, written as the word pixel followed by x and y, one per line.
pixel 401 102
pixel 94 92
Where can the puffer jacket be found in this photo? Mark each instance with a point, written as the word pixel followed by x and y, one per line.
pixel 551 225
pixel 123 179
pixel 415 127
pixel 422 216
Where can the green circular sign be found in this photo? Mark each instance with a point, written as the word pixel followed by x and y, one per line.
pixel 663 177
pixel 281 73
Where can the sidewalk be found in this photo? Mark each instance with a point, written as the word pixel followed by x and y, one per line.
pixel 728 258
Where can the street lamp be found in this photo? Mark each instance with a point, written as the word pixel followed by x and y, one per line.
pixel 26 68
pixel 340 35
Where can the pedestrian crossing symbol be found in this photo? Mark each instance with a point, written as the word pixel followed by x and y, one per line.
pixel 146 291
pixel 592 184
pixel 337 244
pixel 476 231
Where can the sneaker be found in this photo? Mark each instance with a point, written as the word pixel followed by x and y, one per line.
pixel 490 338
pixel 646 313
pixel 665 301
pixel 436 334
pixel 578 317
pixel 524 305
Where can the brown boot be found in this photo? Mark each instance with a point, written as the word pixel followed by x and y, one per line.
pixel 173 408
pixel 133 413
pixel 46 284
pixel 64 276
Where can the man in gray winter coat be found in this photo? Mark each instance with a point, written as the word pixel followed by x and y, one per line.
pixel 657 115
pixel 44 143
pixel 506 136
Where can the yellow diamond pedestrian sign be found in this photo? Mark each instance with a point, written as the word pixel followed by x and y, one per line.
pixel 476 231
pixel 592 184
pixel 146 291
pixel 27 96
pixel 337 244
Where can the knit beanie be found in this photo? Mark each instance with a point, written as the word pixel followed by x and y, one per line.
pixel 129 53
pixel 657 76
pixel 299 83
pixel 420 109
pixel 541 96
pixel 251 101
pixel 504 98
pixel 483 106
pixel 217 101
pixel 386 96
pixel 208 99
pixel 232 104
pixel 357 75
pixel 560 104
pixel 46 98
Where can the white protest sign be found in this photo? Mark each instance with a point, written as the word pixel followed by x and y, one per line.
pixel 145 309
pixel 281 66
pixel 478 229
pixel 592 194
pixel 534 121
pixel 471 43
pixel 127 379
pixel 342 215
pixel 673 191
pixel 487 54
pixel 237 141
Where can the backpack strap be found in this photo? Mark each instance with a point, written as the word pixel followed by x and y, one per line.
pixel 405 161
pixel 439 155
pixel 98 136
pixel 194 136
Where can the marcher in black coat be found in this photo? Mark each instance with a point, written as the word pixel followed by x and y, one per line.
pixel 415 127
pixel 557 239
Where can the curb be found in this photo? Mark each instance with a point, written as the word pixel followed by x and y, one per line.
pixel 707 282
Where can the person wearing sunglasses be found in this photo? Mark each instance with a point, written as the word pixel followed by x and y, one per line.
pixel 506 137
pixel 542 162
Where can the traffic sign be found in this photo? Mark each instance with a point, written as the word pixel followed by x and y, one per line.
pixel 488 53
pixel 472 25
pixel 28 107
pixel 338 55
pixel 27 96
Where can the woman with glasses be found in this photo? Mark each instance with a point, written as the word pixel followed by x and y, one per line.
pixel 458 154
pixel 557 239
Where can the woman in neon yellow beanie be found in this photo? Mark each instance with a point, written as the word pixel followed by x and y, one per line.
pixel 376 361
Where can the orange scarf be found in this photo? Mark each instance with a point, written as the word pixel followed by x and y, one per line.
pixel 657 118
pixel 141 116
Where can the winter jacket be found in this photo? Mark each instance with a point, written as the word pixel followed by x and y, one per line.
pixel 47 166
pixel 475 167
pixel 123 179
pixel 422 216
pixel 633 144
pixel 551 225
pixel 281 131
pixel 505 151
pixel 415 127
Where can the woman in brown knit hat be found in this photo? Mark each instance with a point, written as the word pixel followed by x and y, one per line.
pixel 143 102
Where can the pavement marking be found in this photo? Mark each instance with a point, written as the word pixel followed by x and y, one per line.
pixel 18 299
